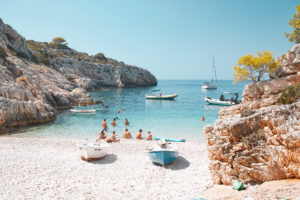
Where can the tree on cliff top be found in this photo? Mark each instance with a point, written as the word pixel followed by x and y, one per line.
pixel 59 42
pixel 295 24
pixel 255 67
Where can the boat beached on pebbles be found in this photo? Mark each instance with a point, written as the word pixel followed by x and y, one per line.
pixel 162 153
pixel 92 151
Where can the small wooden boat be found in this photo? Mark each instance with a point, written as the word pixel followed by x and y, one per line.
pixel 163 153
pixel 92 151
pixel 91 111
pixel 161 97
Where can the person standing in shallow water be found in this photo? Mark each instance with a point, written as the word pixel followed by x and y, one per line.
pixel 203 119
pixel 113 123
pixel 139 135
pixel 104 125
pixel 126 122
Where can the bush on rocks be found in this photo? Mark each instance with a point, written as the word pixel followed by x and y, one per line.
pixel 3 53
pixel 290 95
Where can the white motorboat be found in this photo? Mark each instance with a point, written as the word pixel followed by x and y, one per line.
pixel 91 111
pixel 222 101
pixel 212 101
pixel 211 85
pixel 92 151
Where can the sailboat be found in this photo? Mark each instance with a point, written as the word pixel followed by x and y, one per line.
pixel 211 85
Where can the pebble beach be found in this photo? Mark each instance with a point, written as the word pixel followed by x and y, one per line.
pixel 50 168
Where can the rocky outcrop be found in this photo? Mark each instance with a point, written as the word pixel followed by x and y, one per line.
pixel 91 76
pixel 259 140
pixel 37 79
pixel 90 72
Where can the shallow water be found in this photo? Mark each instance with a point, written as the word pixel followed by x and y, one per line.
pixel 180 118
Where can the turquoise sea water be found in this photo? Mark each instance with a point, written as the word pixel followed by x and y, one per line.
pixel 180 118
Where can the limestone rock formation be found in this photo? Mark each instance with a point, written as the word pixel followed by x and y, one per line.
pixel 37 79
pixel 259 140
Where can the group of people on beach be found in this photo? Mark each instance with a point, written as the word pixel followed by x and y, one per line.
pixel 126 134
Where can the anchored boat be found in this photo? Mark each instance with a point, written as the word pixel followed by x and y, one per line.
pixel 163 153
pixel 211 85
pixel 92 111
pixel 92 151
pixel 222 101
pixel 155 96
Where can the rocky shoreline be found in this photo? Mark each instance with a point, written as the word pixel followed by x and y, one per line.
pixel 259 139
pixel 36 78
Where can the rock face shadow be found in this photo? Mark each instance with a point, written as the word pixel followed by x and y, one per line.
pixel 179 164
pixel 108 159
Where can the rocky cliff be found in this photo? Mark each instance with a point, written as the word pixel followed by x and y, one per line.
pixel 259 139
pixel 38 78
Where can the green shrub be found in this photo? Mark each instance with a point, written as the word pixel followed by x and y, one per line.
pixel 100 56
pixel 290 95
pixel 3 53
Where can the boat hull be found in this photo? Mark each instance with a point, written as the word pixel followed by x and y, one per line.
pixel 165 97
pixel 83 111
pixel 207 87
pixel 92 151
pixel 218 102
pixel 163 157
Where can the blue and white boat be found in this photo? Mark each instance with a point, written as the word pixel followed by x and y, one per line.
pixel 163 154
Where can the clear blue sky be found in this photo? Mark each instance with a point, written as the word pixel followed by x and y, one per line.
pixel 171 38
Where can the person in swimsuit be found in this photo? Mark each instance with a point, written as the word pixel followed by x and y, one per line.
pixel 149 136
pixel 104 125
pixel 102 136
pixel 113 123
pixel 126 122
pixel 127 134
pixel 113 138
pixel 139 135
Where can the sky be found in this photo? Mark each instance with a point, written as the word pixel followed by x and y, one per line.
pixel 173 39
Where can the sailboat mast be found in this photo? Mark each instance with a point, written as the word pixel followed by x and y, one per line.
pixel 214 68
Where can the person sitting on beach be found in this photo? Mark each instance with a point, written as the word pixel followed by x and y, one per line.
pixel 139 135
pixel 127 134
pixel 149 136
pixel 113 138
pixel 102 136
pixel 113 123
pixel 126 122
pixel 104 125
